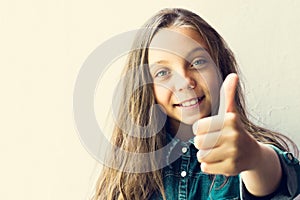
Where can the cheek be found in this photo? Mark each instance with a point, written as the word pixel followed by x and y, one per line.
pixel 162 94
pixel 214 91
pixel 211 83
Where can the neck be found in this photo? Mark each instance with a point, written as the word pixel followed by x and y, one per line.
pixel 182 131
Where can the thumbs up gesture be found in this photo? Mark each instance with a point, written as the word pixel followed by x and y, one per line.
pixel 224 145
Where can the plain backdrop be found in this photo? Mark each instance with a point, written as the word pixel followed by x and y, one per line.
pixel 43 44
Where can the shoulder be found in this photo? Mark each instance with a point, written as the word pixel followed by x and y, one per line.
pixel 291 170
pixel 290 183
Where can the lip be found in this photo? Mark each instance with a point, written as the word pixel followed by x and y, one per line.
pixel 198 99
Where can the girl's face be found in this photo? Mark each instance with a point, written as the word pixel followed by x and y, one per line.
pixel 185 78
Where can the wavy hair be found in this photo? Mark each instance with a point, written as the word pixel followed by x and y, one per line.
pixel 136 109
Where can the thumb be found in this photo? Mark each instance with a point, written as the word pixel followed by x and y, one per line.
pixel 227 93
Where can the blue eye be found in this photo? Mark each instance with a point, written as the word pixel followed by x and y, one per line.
pixel 199 62
pixel 162 73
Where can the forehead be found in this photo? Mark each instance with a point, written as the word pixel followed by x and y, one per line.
pixel 180 41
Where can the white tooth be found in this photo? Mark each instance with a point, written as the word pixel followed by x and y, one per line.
pixel 189 103
pixel 193 102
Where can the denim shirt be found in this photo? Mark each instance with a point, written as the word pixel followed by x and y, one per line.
pixel 183 178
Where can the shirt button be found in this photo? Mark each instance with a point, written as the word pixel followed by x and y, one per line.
pixel 184 149
pixel 290 156
pixel 183 174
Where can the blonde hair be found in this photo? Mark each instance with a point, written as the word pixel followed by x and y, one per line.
pixel 119 184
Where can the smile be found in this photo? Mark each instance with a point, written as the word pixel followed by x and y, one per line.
pixel 190 102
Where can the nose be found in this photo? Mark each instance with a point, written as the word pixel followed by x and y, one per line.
pixel 184 81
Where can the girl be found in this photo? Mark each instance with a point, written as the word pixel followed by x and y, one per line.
pixel 210 148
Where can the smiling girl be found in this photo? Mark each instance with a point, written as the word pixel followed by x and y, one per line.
pixel 211 149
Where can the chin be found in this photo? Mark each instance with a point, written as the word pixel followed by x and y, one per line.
pixel 189 121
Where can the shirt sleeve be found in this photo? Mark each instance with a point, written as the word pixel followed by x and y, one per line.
pixel 289 186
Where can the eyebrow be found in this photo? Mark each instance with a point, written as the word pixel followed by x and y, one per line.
pixel 196 50
pixel 161 62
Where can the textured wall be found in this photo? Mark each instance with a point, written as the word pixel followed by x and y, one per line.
pixel 265 38
pixel 44 43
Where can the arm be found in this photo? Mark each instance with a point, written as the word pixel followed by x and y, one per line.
pixel 265 175
pixel 231 150
pixel 289 186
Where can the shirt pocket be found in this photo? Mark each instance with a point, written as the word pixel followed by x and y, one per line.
pixel 225 188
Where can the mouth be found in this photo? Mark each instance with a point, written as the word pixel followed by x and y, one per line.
pixel 190 102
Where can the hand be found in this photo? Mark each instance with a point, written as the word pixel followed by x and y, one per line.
pixel 224 145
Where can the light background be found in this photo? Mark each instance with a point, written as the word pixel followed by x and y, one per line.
pixel 44 43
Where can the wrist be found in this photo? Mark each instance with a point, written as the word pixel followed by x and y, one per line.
pixel 260 158
pixel 256 156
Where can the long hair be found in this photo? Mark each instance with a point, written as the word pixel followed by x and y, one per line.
pixel 137 109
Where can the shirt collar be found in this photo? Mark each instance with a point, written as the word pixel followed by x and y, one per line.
pixel 174 150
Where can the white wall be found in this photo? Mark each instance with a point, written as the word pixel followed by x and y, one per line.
pixel 44 43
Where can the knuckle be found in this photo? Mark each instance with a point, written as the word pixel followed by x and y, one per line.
pixel 232 119
pixel 205 168
pixel 227 174
pixel 234 152
pixel 234 137
pixel 231 116
pixel 199 157
pixel 201 142
pixel 197 142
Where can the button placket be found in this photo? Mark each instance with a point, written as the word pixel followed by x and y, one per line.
pixel 185 160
